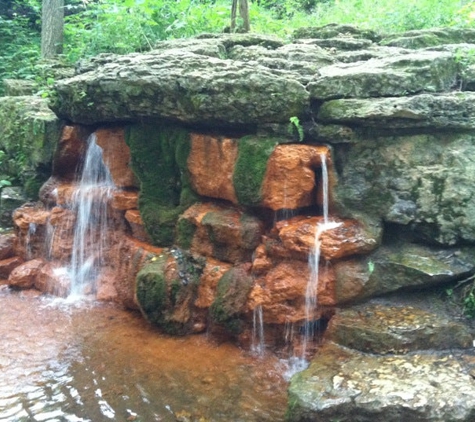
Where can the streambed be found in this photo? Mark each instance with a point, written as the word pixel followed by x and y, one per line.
pixel 95 362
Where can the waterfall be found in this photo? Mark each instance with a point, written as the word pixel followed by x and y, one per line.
pixel 258 344
pixel 90 202
pixel 314 259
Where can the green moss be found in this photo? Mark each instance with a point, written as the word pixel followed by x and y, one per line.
pixel 250 168
pixel 159 154
pixel 231 296
pixel 151 290
pixel 185 230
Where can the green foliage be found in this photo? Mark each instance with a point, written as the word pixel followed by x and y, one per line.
pixel 295 126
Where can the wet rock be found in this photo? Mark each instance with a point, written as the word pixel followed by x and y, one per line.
pixel 452 110
pixel 116 155
pixel 290 179
pixel 231 297
pixel 8 265
pixel 60 237
pixel 135 221
pixel 53 278
pixel 24 276
pixel 212 273
pixel 400 267
pixel 7 246
pixel 69 152
pixel 345 238
pixel 211 165
pixel 281 292
pixel 421 182
pixel 407 74
pixel 345 385
pixel 225 233
pixel 395 329
pixel 124 200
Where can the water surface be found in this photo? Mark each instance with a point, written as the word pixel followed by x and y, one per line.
pixel 96 362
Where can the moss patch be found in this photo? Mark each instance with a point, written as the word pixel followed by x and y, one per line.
pixel 231 296
pixel 250 168
pixel 159 154
pixel 185 230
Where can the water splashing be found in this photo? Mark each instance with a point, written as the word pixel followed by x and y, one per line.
pixel 90 202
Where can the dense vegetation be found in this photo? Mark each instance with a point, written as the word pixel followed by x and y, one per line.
pixel 122 26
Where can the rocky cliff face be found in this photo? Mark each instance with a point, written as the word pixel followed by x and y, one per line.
pixel 209 167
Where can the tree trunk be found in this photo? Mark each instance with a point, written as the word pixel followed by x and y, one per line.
pixel 52 21
pixel 245 26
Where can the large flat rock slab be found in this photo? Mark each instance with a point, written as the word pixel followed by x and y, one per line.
pixel 347 386
pixel 395 329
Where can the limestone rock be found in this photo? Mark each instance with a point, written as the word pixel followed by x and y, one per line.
pixel 183 86
pixel 400 267
pixel 453 110
pixel 333 30
pixel 348 386
pixel 395 329
pixel 400 75
pixel 430 37
pixel 19 87
pixel 24 276
pixel 423 183
pixel 11 197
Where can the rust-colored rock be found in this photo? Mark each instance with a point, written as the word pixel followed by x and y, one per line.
pixel 116 154
pixel 53 278
pixel 134 219
pixel 261 263
pixel 27 215
pixel 124 200
pixel 290 180
pixel 211 165
pixel 24 276
pixel 224 233
pixel 7 242
pixel 344 238
pixel 212 272
pixel 69 152
pixel 61 232
pixel 281 292
pixel 8 265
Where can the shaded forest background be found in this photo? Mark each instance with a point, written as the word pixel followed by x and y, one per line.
pixel 123 26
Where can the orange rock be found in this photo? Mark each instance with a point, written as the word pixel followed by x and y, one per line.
pixel 223 232
pixel 290 179
pixel 261 262
pixel 211 165
pixel 281 292
pixel 125 200
pixel 24 276
pixel 134 219
pixel 69 152
pixel 116 154
pixel 212 272
pixel 60 237
pixel 53 278
pixel 8 265
pixel 349 238
pixel 24 216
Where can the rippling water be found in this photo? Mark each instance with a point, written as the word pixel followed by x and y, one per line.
pixel 95 362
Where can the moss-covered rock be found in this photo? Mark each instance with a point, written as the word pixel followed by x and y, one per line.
pixel 231 297
pixel 28 136
pixel 250 168
pixel 166 289
pixel 159 154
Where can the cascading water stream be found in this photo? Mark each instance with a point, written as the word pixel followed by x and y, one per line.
pixel 258 341
pixel 90 203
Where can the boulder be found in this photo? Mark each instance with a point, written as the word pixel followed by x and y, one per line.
pixel 183 86
pixel 8 265
pixel 24 276
pixel 454 111
pixel 402 266
pixel 395 329
pixel 422 183
pixel 349 386
pixel 394 76
pixel 430 37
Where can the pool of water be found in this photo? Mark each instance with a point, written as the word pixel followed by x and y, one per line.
pixel 96 362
